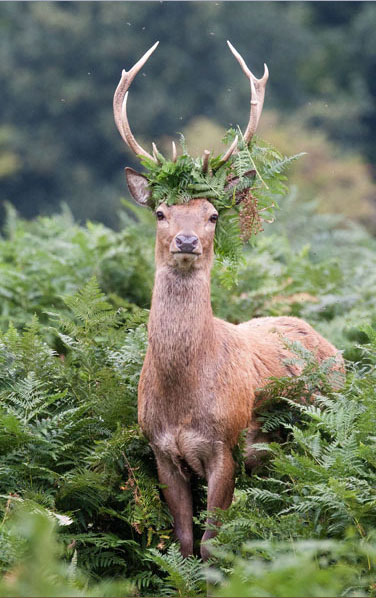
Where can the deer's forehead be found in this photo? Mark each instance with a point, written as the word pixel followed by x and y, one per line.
pixel 195 209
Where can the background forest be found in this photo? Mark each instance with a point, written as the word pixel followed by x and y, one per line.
pixel 81 513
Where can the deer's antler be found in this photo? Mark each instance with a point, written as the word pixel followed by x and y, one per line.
pixel 120 105
pixel 121 118
pixel 257 94
pixel 257 102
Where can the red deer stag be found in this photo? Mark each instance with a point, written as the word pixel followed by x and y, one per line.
pixel 200 375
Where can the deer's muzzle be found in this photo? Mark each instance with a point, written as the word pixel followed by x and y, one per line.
pixel 187 243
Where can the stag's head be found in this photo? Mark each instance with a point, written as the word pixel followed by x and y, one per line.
pixel 185 232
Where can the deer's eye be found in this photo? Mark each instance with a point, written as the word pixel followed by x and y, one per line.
pixel 160 215
pixel 213 218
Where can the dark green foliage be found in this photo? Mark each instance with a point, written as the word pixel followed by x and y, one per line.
pixel 70 446
pixel 185 576
pixel 43 260
pixel 305 568
pixel 31 535
pixel 68 434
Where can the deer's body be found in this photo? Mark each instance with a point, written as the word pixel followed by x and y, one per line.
pixel 199 381
pixel 201 374
pixel 198 385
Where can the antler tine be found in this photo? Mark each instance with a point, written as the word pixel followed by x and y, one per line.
pixel 174 152
pixel 205 161
pixel 120 105
pixel 155 150
pixel 257 93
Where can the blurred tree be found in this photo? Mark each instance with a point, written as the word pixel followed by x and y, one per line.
pixel 9 162
pixel 61 62
pixel 342 72
pixel 332 14
pixel 341 183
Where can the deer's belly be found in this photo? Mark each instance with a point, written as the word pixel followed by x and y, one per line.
pixel 185 446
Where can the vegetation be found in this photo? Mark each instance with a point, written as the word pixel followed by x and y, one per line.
pixel 80 506
pixel 71 451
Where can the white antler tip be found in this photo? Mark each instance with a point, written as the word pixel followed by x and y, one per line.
pixel 174 152
pixel 120 103
pixel 155 151
pixel 233 50
pixel 265 76
pixel 149 52
pixel 124 105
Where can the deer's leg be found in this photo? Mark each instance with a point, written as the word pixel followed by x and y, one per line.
pixel 220 475
pixel 178 496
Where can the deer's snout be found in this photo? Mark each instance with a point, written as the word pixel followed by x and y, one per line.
pixel 186 243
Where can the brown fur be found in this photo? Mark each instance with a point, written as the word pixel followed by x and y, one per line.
pixel 200 374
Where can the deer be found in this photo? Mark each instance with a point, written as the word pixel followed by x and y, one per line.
pixel 202 375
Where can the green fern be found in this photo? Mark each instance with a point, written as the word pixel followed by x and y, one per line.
pixel 70 444
pixel 185 576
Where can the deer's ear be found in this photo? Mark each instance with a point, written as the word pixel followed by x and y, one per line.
pixel 138 186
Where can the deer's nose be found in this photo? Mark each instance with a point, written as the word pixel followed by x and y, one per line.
pixel 186 243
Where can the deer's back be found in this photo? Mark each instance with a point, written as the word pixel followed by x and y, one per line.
pixel 267 341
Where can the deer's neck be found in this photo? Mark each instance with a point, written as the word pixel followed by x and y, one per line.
pixel 181 327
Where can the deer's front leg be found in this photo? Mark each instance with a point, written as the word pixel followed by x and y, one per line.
pixel 220 474
pixel 177 493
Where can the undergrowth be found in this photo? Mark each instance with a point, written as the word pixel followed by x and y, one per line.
pixel 79 496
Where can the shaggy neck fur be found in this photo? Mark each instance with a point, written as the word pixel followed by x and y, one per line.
pixel 181 329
